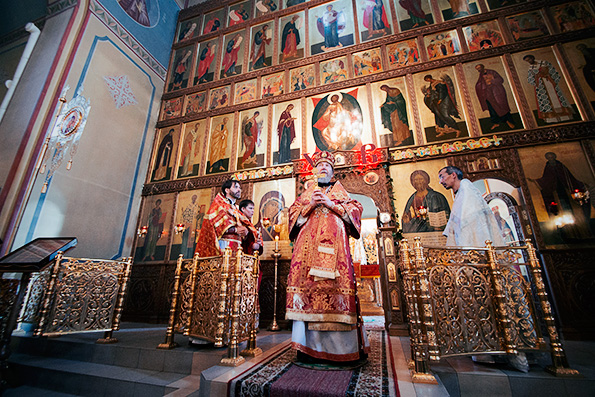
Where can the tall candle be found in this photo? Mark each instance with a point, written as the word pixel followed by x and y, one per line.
pixel 276 243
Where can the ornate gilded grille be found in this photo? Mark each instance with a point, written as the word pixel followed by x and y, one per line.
pixel 215 299
pixel 475 300
pixel 80 295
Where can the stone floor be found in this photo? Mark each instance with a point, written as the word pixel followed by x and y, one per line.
pixel 75 365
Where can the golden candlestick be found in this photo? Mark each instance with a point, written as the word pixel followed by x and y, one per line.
pixel 276 254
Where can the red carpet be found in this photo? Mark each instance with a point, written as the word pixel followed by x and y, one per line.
pixel 279 377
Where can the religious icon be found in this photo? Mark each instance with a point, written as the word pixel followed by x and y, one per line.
pixel 413 14
pixel 266 6
pixel 205 67
pixel 156 214
pixel 137 10
pixel 195 103
pixel 164 155
pixel 425 204
pixel 573 16
pixel 262 46
pixel 493 101
pixel 495 4
pixel 238 13
pixel 390 98
pixel 483 35
pixel 442 113
pixel 581 55
pixel 191 149
pixel 252 143
pixel 285 145
pixel 367 62
pixel 337 122
pixel 181 67
pixel 392 272
pixel 188 29
pixel 442 45
pixel 333 70
pixel 233 55
pixel 527 25
pixel 172 108
pixel 290 3
pixel 292 37
pixel 427 210
pixel 402 54
pixel 546 86
pixel 559 178
pixel 245 91
pixel 452 9
pixel 219 97
pixel 191 211
pixel 329 27
pixel 219 148
pixel 272 84
pixel 213 21
pixel 373 18
pixel 301 78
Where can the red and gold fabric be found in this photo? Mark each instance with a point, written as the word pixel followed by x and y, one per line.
pixel 217 225
pixel 321 286
pixel 253 236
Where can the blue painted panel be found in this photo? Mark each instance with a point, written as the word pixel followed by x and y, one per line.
pixel 151 22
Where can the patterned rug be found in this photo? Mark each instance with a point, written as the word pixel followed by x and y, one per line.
pixel 279 376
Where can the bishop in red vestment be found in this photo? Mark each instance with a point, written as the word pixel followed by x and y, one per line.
pixel 321 294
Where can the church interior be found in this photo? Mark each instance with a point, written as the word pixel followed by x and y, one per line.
pixel 121 119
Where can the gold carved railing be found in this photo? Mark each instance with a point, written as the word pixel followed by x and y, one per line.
pixel 464 301
pixel 77 295
pixel 215 299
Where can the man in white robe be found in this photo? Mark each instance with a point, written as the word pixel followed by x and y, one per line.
pixel 471 223
pixel 471 220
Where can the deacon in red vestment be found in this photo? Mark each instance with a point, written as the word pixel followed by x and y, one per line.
pixel 321 294
pixel 252 243
pixel 222 227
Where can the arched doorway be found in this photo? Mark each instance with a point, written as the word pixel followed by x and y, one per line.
pixel 365 254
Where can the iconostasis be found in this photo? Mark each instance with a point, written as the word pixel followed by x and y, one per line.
pixel 253 86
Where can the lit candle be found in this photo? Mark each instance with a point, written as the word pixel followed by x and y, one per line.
pixel 276 243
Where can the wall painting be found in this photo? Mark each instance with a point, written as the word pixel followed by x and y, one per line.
pixel 413 14
pixel 423 205
pixel 192 207
pixel 233 54
pixel 273 84
pixel 492 97
pixel 292 37
pixel 392 113
pixel 559 177
pixel 165 154
pixel 367 62
pixel 219 97
pixel 156 219
pixel 287 132
pixel 373 19
pixel 545 87
pixel 261 45
pixel 191 148
pixel 219 149
pixel 440 105
pixel 245 91
pixel 333 70
pixel 252 138
pixel 205 64
pixel 331 26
